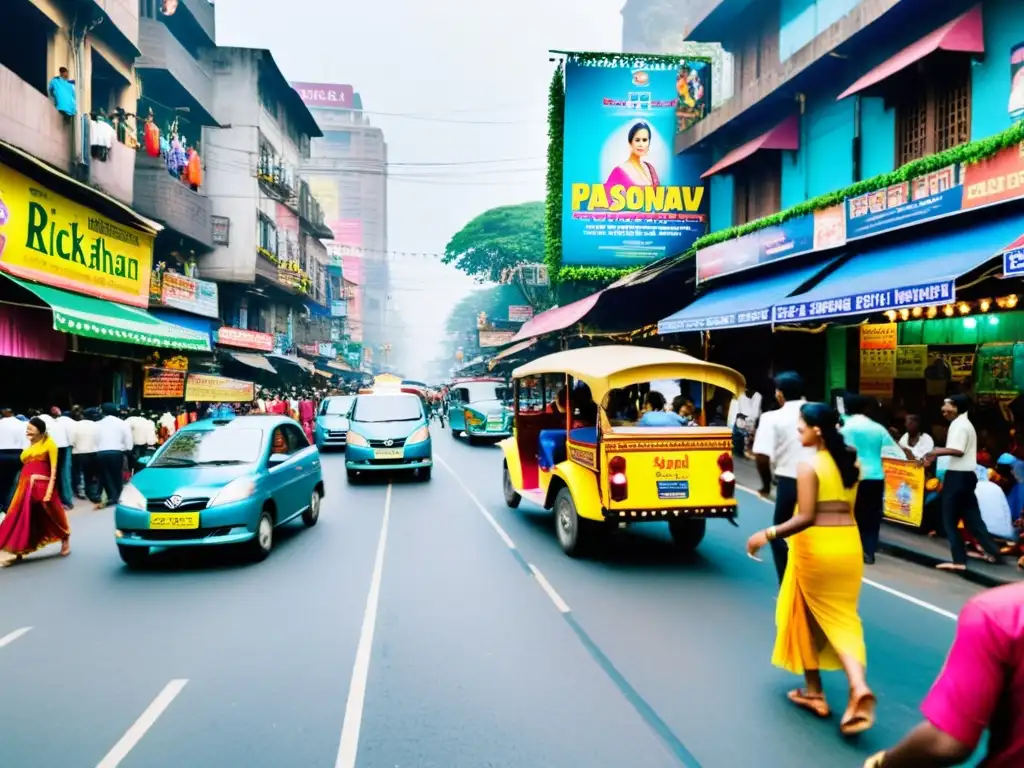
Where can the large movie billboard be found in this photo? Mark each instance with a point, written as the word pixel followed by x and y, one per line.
pixel 628 198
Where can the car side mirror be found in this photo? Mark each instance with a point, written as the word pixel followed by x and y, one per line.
pixel 143 461
pixel 277 459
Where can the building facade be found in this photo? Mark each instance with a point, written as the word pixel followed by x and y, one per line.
pixel 347 169
pixel 273 270
pixel 865 174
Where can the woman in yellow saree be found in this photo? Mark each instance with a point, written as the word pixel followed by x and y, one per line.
pixel 818 627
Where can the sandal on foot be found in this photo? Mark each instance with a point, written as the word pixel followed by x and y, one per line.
pixel 860 715
pixel 813 702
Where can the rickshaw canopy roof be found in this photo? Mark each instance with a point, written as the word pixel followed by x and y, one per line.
pixel 618 365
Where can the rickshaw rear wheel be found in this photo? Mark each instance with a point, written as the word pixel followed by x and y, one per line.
pixel 687 534
pixel 511 497
pixel 577 536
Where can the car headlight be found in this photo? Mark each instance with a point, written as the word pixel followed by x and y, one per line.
pixel 237 490
pixel 419 436
pixel 354 438
pixel 132 498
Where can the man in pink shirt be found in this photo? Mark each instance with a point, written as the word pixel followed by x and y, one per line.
pixel 980 688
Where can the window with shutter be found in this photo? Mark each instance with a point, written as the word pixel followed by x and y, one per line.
pixel 757 187
pixel 933 107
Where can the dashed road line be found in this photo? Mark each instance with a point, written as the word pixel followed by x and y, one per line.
pixel 349 747
pixel 646 712
pixel 877 585
pixel 10 637
pixel 141 726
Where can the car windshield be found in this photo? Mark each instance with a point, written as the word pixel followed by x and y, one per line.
pixel 485 390
pixel 197 447
pixel 336 406
pixel 378 408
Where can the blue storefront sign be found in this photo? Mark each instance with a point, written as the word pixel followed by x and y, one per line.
pixel 1013 263
pixel 782 241
pixel 922 295
pixel 738 319
pixel 627 197
pixel 892 208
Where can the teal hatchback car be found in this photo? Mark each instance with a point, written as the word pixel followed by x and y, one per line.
pixel 388 432
pixel 331 428
pixel 221 481
pixel 480 409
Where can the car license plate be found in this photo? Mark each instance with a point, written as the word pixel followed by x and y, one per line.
pixel 387 453
pixel 174 521
pixel 674 489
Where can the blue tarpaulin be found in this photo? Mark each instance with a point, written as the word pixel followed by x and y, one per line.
pixel 918 273
pixel 742 305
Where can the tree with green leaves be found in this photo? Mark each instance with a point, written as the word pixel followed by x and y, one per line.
pixel 498 240
pixel 493 301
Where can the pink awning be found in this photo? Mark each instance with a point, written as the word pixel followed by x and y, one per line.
pixel 557 319
pixel 785 135
pixel 964 34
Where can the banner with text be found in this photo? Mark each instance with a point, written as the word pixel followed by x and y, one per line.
pixel 628 198
pixel 162 382
pixel 204 388
pixel 903 497
pixel 877 360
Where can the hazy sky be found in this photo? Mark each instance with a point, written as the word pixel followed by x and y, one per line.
pixel 457 83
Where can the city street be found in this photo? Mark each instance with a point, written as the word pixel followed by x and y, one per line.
pixel 428 626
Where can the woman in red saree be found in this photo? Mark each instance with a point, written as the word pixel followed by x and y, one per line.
pixel 35 517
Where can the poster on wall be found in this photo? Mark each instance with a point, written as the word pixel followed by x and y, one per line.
pixel 162 382
pixel 877 360
pixel 628 198
pixel 205 388
pixel 903 497
pixel 1017 82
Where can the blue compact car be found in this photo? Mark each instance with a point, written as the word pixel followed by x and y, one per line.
pixel 388 432
pixel 331 429
pixel 221 481
pixel 480 409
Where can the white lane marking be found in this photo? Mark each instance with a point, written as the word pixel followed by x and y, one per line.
pixel 556 598
pixel 134 734
pixel 12 636
pixel 911 599
pixel 480 507
pixel 882 587
pixel 353 721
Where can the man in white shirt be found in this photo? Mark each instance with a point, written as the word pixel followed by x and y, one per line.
pixel 56 428
pixel 744 413
pixel 143 435
pixel 12 443
pixel 113 445
pixel 85 475
pixel 959 501
pixel 919 443
pixel 777 449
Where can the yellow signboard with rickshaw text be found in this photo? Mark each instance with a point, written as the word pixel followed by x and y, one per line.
pixel 47 238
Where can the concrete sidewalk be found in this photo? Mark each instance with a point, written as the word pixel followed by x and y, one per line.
pixel 906 543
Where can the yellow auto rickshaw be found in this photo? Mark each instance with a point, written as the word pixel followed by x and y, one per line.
pixel 572 451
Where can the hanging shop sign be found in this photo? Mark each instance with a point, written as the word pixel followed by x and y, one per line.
pixel 244 339
pixel 326 349
pixel 162 382
pixel 339 308
pixel 945 192
pixel 903 496
pixel 520 313
pixel 495 338
pixel 911 361
pixel 1013 262
pixel 961 365
pixel 47 238
pixel 921 295
pixel 627 197
pixel 1001 369
pixel 188 294
pixel 204 388
pixel 877 359
pixel 309 349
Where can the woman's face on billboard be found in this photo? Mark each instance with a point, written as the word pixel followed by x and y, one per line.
pixel 641 142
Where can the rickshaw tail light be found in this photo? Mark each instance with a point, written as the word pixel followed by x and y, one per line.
pixel 617 478
pixel 727 484
pixel 725 462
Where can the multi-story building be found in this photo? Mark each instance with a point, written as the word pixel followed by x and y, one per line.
pixel 867 168
pixel 347 169
pixel 97 43
pixel 272 269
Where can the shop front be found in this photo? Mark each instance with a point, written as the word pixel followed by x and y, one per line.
pixel 74 292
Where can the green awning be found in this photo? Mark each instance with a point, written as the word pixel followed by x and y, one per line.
pixel 102 319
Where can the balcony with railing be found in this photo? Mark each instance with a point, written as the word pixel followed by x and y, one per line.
pixel 29 121
pixel 116 174
pixel 123 15
pixel 167 67
pixel 166 199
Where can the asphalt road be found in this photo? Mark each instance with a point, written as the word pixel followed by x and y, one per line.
pixel 428 626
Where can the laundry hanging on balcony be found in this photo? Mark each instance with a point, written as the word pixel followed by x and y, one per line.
pixel 151 137
pixel 193 174
pixel 101 137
